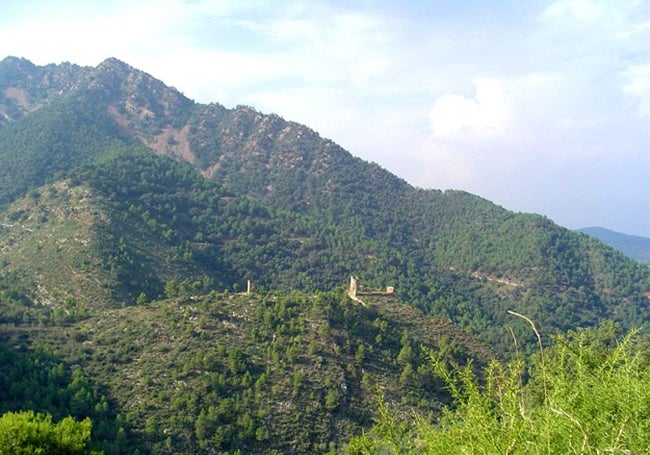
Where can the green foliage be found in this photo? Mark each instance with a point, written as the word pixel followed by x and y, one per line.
pixel 169 226
pixel 14 299
pixel 26 433
pixel 589 394
pixel 41 382
pixel 53 140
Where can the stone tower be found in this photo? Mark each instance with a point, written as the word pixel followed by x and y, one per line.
pixel 354 286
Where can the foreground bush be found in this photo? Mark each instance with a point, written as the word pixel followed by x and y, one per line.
pixel 587 394
pixel 24 433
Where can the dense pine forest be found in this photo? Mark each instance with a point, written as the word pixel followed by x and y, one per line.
pixel 133 219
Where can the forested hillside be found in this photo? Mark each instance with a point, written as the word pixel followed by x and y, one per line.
pixel 126 208
pixel 288 373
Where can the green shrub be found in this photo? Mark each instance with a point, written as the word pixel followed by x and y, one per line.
pixel 589 393
pixel 29 433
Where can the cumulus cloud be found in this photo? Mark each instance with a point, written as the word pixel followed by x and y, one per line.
pixel 638 86
pixel 485 114
pixel 579 11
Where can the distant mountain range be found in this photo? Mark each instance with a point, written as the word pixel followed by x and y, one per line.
pixel 132 220
pixel 632 246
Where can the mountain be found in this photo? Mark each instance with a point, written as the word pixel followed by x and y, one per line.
pixel 310 214
pixel 632 246
pixel 131 217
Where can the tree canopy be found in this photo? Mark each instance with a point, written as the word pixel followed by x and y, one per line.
pixel 29 433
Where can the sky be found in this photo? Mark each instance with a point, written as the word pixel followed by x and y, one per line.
pixel 541 106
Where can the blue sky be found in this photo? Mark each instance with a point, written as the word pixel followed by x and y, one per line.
pixel 540 106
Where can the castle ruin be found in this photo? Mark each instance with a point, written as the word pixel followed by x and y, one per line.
pixel 354 291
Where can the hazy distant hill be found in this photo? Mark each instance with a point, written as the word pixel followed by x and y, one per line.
pixel 131 215
pixel 632 246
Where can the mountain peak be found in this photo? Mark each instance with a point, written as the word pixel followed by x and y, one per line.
pixel 15 61
pixel 118 79
pixel 113 69
pixel 113 63
pixel 14 66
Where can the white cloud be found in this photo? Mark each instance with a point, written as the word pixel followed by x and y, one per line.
pixel 86 35
pixel 638 85
pixel 454 115
pixel 578 11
